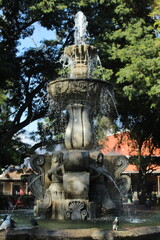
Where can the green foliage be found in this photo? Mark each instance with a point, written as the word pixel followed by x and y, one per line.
pixel 102 73
pixel 2 96
pixel 155 13
pixel 102 127
pixel 13 152
pixel 142 68
pixel 122 30
pixel 24 75
pixel 49 134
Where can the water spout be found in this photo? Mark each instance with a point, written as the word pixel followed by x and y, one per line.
pixel 80 28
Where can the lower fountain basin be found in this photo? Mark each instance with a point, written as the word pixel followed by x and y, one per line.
pixel 96 230
pixel 143 233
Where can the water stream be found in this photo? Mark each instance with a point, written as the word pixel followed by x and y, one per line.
pixel 13 208
pixel 80 34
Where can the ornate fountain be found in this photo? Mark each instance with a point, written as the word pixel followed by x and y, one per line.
pixel 79 182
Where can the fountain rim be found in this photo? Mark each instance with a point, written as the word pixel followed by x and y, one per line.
pixel 80 79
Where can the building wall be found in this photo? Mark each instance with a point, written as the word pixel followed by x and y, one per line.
pixel 13 188
pixel 1 188
pixel 7 188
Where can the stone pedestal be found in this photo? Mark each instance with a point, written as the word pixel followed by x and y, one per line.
pixel 58 210
pixel 76 185
pixel 76 161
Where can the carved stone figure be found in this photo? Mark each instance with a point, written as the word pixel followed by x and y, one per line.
pixel 55 193
pixel 104 186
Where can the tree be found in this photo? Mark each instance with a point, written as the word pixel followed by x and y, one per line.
pixel 139 82
pixel 123 32
pixel 129 47
pixel 24 77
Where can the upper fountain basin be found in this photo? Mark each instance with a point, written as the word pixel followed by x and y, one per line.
pixel 81 60
pixel 70 91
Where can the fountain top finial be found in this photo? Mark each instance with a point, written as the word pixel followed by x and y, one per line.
pixel 80 28
pixel 80 58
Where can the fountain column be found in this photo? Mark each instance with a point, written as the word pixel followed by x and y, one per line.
pixel 78 137
pixel 78 133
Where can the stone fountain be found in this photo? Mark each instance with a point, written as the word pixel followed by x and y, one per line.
pixel 79 183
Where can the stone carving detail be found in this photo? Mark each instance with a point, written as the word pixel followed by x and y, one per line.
pixel 124 184
pixel 120 164
pixel 83 90
pixel 47 201
pixel 104 189
pixel 78 132
pixel 123 181
pixel 80 57
pixel 36 180
pixel 72 86
pixel 77 211
pixel 55 175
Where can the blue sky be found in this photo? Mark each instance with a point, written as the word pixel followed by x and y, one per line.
pixel 39 35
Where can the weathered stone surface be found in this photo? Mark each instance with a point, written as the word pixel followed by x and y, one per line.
pixel 76 161
pixel 77 209
pixel 78 91
pixel 78 133
pixel 36 184
pixel 76 185
pixel 81 56
pixel 82 174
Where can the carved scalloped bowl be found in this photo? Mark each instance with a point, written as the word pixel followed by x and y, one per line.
pixel 69 91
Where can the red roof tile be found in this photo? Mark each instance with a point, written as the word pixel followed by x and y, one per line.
pixel 131 168
pixel 121 143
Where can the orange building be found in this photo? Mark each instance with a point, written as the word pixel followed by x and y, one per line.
pixel 121 143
